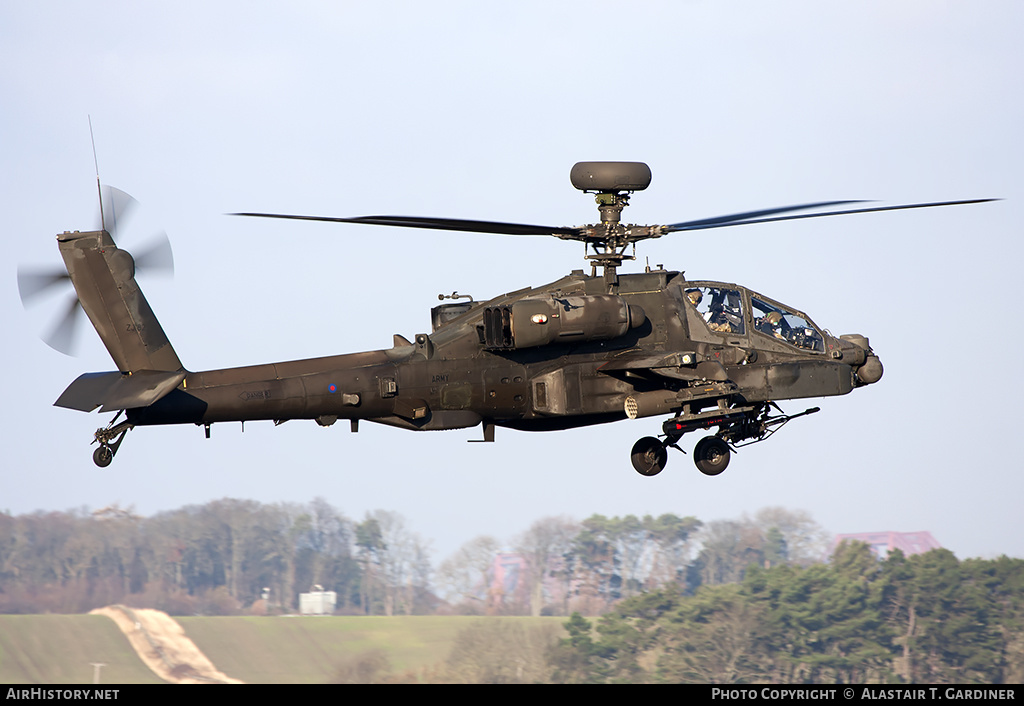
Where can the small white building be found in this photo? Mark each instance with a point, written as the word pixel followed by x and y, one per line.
pixel 317 602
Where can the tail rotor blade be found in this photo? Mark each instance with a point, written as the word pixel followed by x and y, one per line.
pixel 117 207
pixel 62 337
pixel 33 283
pixel 156 256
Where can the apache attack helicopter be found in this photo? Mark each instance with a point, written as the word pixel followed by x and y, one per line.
pixel 583 350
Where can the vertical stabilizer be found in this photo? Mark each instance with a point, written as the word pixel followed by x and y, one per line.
pixel 104 277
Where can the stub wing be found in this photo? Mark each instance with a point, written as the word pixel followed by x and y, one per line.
pixel 678 366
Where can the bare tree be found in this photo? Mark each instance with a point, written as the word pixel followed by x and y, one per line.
pixel 804 539
pixel 673 539
pixel 501 651
pixel 401 562
pixel 727 549
pixel 543 547
pixel 465 577
pixel 370 543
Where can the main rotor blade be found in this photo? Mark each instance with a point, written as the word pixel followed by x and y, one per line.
pixel 431 223
pixel 32 283
pixel 732 218
pixel 717 223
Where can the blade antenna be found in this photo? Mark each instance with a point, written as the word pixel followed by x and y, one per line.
pixel 96 163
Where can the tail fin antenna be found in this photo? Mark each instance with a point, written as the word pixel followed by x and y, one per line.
pixel 96 162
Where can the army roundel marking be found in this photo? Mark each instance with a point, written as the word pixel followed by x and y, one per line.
pixel 332 388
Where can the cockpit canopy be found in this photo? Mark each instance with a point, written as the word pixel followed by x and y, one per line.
pixel 731 310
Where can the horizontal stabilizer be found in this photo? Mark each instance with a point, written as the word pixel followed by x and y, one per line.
pixel 116 391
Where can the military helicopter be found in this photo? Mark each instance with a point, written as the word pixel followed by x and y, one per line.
pixel 585 349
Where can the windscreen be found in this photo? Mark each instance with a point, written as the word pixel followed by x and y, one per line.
pixel 776 321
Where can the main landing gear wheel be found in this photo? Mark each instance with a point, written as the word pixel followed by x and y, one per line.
pixel 711 455
pixel 649 456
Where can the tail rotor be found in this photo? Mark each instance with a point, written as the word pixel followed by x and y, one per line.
pixel 39 285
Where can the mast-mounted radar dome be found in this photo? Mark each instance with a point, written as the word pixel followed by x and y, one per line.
pixel 610 176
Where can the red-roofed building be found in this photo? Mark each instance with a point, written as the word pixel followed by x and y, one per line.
pixel 882 543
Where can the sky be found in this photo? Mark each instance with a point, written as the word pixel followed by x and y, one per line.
pixel 479 110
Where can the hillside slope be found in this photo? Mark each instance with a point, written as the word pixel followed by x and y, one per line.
pixel 291 650
pixel 60 649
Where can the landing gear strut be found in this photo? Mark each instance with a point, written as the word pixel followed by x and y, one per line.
pixel 109 439
pixel 737 426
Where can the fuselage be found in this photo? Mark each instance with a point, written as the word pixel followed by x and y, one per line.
pixel 607 347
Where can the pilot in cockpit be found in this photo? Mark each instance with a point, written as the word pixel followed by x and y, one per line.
pixel 771 324
pixel 715 315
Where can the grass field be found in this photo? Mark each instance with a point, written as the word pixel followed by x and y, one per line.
pixel 58 649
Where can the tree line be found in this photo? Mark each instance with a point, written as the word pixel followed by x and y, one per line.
pixel 926 618
pixel 231 556
pixel 221 558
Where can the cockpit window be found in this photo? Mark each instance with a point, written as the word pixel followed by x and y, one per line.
pixel 721 309
pixel 776 321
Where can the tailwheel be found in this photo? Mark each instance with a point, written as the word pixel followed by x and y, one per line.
pixel 109 439
pixel 711 455
pixel 649 456
pixel 102 456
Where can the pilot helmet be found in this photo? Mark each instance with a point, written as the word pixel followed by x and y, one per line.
pixel 773 318
pixel 694 295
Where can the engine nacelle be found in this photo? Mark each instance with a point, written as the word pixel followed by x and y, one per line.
pixel 538 321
